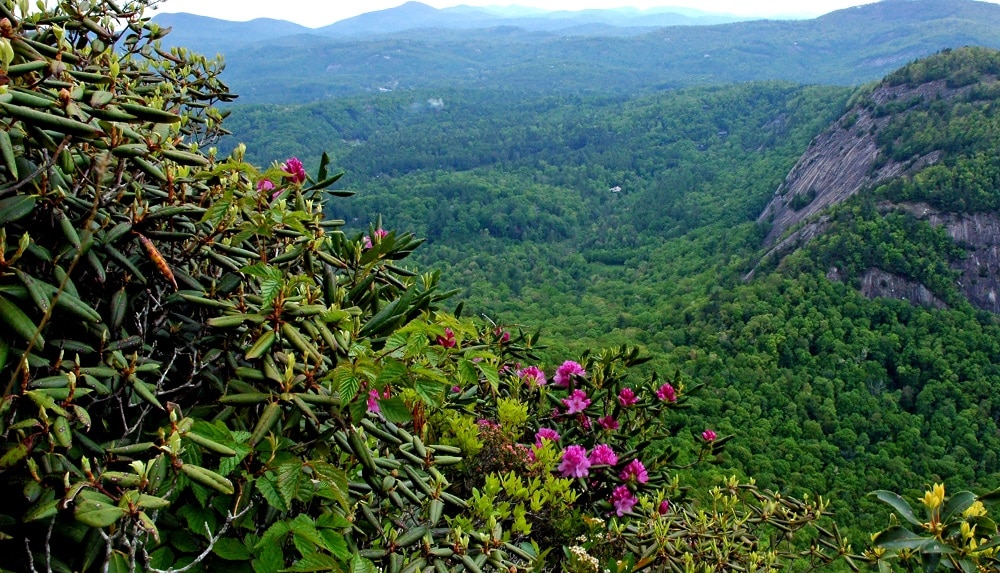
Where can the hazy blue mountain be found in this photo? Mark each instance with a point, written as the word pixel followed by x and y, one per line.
pixel 845 47
pixel 211 35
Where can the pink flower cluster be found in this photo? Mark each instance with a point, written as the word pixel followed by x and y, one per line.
pixel 577 402
pixel 709 435
pixel 448 340
pixel 666 393
pixel 574 462
pixel 623 500
pixel 634 471
pixel 566 371
pixel 627 397
pixel 532 376
pixel 546 434
pixel 602 454
pixel 294 169
pixel 366 241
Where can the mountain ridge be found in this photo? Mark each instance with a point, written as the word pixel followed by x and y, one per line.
pixel 854 157
pixel 833 49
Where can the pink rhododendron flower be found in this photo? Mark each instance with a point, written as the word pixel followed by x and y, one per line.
pixel 634 471
pixel 295 170
pixel 667 393
pixel 532 375
pixel 373 398
pixel 627 397
pixel 608 423
pixel 448 340
pixel 623 500
pixel 574 462
pixel 602 454
pixel 366 241
pixel 566 372
pixel 546 434
pixel 502 334
pixel 490 424
pixel 456 389
pixel 709 435
pixel 664 507
pixel 577 402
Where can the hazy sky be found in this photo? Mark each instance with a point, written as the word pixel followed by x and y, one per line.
pixel 317 13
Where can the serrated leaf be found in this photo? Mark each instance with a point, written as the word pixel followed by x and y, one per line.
pixel 267 485
pixel 274 535
pixel 269 290
pixel 270 559
pixel 347 383
pixel 490 373
pixel 231 549
pixel 395 410
pixel 289 481
pixel 304 534
pixel 467 374
pixel 361 565
pixel 335 477
pixel 334 543
pixel 162 558
pixel 393 372
pixel 315 562
pixel 430 391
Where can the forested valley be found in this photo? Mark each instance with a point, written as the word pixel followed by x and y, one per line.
pixel 552 309
pixel 602 220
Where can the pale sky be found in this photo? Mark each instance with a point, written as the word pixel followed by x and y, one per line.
pixel 318 13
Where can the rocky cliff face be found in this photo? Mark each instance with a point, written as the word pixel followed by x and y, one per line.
pixel 845 160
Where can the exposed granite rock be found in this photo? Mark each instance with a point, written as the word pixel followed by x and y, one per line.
pixel 841 162
pixel 878 283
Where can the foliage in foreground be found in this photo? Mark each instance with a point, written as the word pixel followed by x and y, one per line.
pixel 201 372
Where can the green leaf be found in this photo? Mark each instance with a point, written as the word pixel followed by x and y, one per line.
pixel 393 372
pixel 897 503
pixel 13 456
pixel 335 543
pixel 304 534
pixel 270 559
pixel 490 373
pixel 430 391
pixel 347 383
pixel 957 504
pixel 361 565
pixel 467 374
pixel 118 563
pixel 315 562
pixel 289 481
pixel 267 485
pixel 97 510
pixel 335 477
pixel 901 538
pixel 162 558
pixel 395 410
pixel 231 549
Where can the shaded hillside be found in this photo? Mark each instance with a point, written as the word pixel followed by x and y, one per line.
pixel 834 49
pixel 922 143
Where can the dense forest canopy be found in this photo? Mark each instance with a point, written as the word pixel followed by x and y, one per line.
pixel 606 219
pixel 212 365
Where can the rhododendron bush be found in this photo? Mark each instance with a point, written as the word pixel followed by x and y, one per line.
pixel 203 372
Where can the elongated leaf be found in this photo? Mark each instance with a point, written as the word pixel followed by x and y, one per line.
pixel 957 504
pixel 97 511
pixel 897 503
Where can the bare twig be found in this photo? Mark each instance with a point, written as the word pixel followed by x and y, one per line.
pixel 211 543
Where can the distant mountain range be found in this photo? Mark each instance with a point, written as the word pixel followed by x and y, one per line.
pixel 415 46
pixel 199 32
